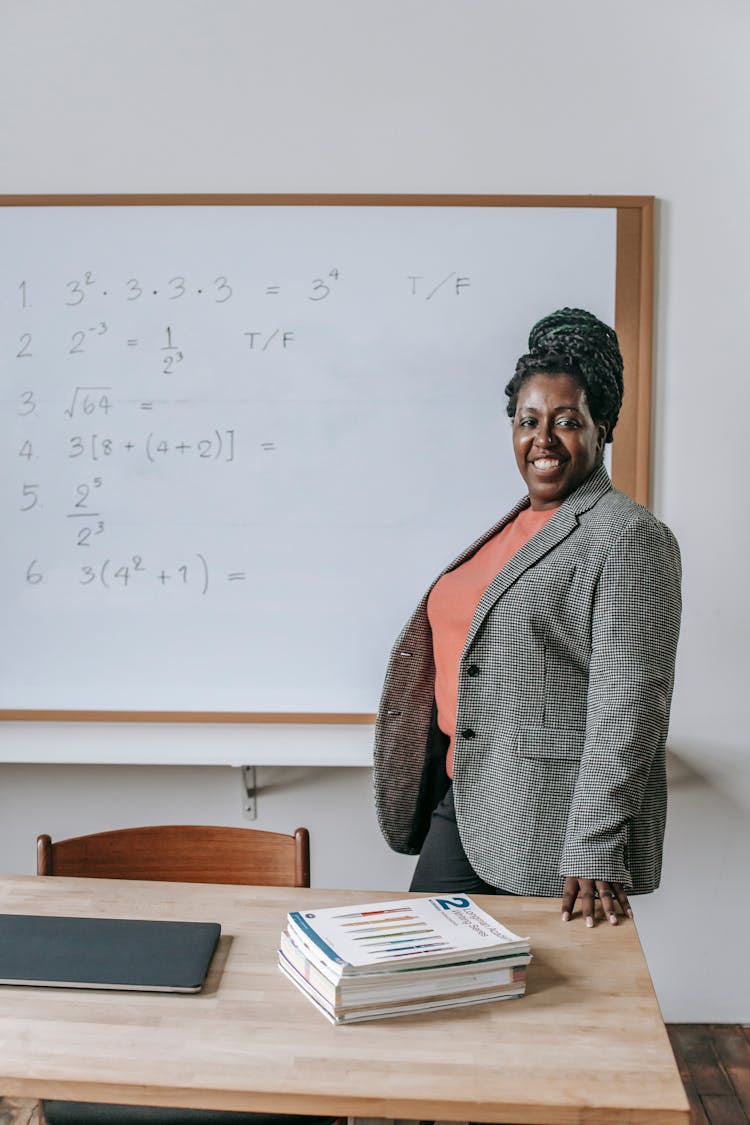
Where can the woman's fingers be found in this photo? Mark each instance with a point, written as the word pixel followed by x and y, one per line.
pixel 588 900
pixel 570 894
pixel 623 900
pixel 588 891
pixel 608 898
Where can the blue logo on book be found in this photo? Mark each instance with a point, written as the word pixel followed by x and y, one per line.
pixel 457 903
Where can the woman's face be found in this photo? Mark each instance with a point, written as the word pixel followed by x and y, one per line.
pixel 556 441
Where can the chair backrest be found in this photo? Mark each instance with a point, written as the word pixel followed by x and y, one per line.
pixel 182 853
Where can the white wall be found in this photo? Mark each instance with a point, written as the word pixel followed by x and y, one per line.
pixel 431 96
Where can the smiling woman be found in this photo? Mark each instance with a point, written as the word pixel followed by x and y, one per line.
pixel 521 734
pixel 556 441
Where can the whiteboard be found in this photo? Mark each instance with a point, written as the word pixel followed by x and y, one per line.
pixel 240 440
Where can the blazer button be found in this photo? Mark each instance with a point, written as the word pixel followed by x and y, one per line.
pixel 472 670
pixel 468 733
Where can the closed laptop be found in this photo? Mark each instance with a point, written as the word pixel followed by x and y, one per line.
pixel 122 953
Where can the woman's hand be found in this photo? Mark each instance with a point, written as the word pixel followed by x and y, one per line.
pixel 589 890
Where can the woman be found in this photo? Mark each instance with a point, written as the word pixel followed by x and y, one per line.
pixel 521 733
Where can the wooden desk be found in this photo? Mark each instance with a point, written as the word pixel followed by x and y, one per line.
pixel 586 1044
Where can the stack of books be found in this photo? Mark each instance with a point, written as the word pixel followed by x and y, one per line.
pixel 410 955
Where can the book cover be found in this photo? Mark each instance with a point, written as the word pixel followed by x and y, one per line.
pixel 384 936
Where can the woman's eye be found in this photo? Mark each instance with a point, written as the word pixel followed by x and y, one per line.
pixel 527 422
pixel 568 422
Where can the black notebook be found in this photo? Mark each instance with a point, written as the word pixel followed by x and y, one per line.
pixel 123 953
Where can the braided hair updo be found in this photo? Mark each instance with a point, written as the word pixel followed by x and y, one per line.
pixel 575 342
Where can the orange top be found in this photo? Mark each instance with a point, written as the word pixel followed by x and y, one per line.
pixel 452 604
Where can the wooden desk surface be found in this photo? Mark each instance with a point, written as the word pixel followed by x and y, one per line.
pixel 586 1043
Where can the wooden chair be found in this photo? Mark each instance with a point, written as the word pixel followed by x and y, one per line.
pixel 184 854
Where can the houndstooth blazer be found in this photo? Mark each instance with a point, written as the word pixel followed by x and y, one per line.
pixel 565 685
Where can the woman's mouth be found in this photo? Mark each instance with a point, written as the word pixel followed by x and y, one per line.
pixel 546 464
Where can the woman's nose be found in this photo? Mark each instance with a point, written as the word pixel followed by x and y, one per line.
pixel 544 435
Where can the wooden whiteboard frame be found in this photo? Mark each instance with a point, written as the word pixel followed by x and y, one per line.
pixel 634 292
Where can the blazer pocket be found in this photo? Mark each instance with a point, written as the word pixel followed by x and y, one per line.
pixel 550 742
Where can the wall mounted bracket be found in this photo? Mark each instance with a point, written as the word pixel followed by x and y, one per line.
pixel 249 793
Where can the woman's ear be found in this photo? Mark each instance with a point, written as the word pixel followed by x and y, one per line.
pixel 601 437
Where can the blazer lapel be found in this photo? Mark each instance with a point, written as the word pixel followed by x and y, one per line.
pixel 564 521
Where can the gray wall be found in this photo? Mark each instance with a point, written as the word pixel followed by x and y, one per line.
pixel 431 96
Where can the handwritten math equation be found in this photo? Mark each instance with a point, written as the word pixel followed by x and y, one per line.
pixel 80 291
pixel 139 573
pixel 165 352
